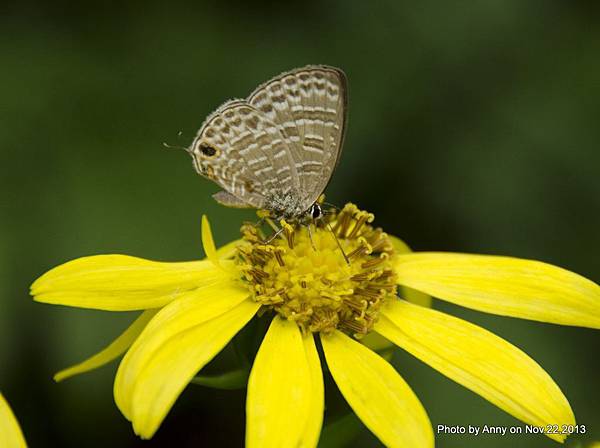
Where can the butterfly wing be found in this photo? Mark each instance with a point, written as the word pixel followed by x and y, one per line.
pixel 242 150
pixel 228 200
pixel 309 106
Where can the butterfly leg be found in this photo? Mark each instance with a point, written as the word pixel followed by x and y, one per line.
pixel 338 243
pixel 275 235
pixel 260 222
pixel 312 243
pixel 272 224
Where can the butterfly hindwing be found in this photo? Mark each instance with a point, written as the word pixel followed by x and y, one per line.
pixel 245 153
pixel 228 200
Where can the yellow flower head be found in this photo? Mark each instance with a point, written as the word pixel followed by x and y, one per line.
pixel 305 278
pixel 302 279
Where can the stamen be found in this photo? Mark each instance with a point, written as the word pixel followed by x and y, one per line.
pixel 345 220
pixel 279 256
pixel 258 274
pixel 371 263
pixel 361 218
pixel 363 249
pixel 379 244
pixel 355 326
pixel 367 275
pixel 251 233
pixel 359 306
pixel 367 292
pixel 263 253
pixel 289 232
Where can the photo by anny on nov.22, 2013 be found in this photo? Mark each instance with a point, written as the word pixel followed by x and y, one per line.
pixel 325 291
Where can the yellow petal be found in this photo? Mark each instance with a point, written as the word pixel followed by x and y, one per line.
pixel 112 351
pixel 284 406
pixel 416 297
pixel 11 435
pixel 400 247
pixel 174 365
pixel 376 393
pixel 175 345
pixel 503 285
pixel 317 396
pixel 480 361
pixel 376 342
pixel 214 255
pixel 412 295
pixel 230 249
pixel 185 313
pixel 209 243
pixel 122 283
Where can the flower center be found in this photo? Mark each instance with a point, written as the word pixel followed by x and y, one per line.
pixel 305 278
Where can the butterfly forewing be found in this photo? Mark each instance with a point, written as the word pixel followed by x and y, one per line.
pixel 309 104
pixel 281 145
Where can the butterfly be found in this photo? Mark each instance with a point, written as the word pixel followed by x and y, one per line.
pixel 277 149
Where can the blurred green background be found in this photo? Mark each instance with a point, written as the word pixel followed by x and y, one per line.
pixel 473 127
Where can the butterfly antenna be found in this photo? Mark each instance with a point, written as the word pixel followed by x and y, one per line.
pixel 338 243
pixel 179 134
pixel 166 145
pixel 332 205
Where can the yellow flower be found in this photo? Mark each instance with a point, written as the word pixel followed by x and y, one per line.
pixel 193 309
pixel 10 431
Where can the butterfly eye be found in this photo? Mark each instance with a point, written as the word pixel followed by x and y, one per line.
pixel 207 151
pixel 315 211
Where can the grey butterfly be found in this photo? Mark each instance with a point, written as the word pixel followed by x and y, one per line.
pixel 277 149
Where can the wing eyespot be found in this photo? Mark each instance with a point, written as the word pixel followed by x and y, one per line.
pixel 208 152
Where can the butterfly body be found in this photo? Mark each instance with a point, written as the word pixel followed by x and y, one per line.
pixel 277 149
pixel 289 206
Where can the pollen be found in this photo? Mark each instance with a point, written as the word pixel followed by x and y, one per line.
pixel 303 276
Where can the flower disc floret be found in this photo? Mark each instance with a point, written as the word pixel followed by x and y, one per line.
pixel 303 274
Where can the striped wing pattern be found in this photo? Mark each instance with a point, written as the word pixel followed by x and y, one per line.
pixel 240 149
pixel 284 141
pixel 309 104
